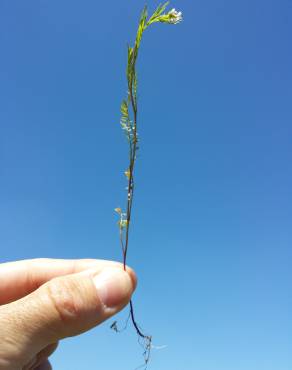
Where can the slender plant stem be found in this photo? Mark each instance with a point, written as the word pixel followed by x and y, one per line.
pixel 130 189
pixel 129 108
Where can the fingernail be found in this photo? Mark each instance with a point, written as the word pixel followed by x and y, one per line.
pixel 114 286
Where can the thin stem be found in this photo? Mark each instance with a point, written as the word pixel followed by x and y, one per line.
pixel 133 150
pixel 130 126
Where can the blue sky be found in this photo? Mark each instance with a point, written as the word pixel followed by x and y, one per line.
pixel 211 239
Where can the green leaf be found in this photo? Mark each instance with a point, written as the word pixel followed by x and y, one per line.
pixel 141 26
pixel 144 14
pixel 159 10
pixel 124 109
pixel 135 83
pixel 130 53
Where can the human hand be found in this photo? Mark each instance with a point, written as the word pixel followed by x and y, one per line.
pixel 45 300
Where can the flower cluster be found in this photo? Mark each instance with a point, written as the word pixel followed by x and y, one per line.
pixel 174 16
pixel 171 17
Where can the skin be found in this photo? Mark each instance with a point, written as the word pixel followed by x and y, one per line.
pixel 43 301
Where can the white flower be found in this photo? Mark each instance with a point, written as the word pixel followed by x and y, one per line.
pixel 174 16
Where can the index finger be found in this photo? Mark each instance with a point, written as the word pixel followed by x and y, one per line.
pixel 17 279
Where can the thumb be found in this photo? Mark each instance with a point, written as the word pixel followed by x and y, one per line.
pixel 65 306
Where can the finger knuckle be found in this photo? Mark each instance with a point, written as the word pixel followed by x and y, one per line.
pixel 66 299
pixel 5 364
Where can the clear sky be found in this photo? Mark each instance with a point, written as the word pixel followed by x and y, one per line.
pixel 211 238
